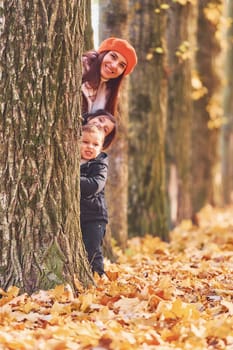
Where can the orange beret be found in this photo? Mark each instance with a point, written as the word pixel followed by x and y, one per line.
pixel 124 48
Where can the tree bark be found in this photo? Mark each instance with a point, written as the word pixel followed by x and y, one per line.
pixel 179 110
pixel 207 111
pixel 148 211
pixel 88 33
pixel 227 129
pixel 40 241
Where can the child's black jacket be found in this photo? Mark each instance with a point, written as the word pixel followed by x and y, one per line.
pixel 93 177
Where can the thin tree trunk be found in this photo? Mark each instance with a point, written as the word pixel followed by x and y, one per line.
pixel 206 109
pixel 114 22
pixel 88 33
pixel 227 129
pixel 148 105
pixel 179 109
pixel 40 237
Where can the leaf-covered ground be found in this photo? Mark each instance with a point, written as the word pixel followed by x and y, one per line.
pixel 159 296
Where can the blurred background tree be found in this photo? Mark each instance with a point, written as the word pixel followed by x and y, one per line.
pixel 207 117
pixel 114 21
pixel 186 71
pixel 227 128
pixel 148 212
pixel 181 17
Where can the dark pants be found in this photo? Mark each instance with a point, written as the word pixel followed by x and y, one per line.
pixel 93 234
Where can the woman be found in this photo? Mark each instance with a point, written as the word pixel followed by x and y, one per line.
pixel 103 71
pixel 106 121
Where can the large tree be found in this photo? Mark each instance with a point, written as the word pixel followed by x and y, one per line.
pixel 148 105
pixel 40 242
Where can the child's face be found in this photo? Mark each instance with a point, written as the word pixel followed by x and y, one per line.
pixel 91 145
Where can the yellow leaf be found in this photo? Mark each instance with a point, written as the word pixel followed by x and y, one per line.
pixel 159 50
pixel 185 310
pixel 13 291
pixel 149 56
pixel 60 309
pixel 86 300
pixel 164 6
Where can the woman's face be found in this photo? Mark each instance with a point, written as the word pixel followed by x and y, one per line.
pixel 113 65
pixel 103 122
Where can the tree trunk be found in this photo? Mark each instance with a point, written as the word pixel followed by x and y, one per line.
pixel 148 90
pixel 40 242
pixel 114 22
pixel 179 111
pixel 207 111
pixel 227 129
pixel 88 33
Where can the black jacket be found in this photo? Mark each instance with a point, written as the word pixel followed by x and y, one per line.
pixel 93 177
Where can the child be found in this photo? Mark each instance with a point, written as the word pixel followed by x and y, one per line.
pixel 93 210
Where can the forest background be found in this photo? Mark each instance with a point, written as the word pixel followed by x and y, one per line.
pixel 172 157
pixel 174 150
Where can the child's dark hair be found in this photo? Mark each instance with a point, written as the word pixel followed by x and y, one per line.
pixel 110 137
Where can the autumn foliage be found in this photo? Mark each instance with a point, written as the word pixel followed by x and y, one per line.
pixel 158 295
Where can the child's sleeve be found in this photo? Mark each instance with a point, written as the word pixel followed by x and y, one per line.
pixel 95 181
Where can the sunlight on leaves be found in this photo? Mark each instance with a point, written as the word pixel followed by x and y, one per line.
pixel 159 295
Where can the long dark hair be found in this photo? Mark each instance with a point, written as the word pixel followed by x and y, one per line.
pixel 110 137
pixel 92 75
